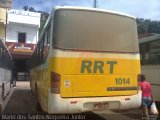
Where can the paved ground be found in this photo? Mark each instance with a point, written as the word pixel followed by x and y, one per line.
pixel 22 102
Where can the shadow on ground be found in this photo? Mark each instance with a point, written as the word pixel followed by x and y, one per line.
pixel 22 101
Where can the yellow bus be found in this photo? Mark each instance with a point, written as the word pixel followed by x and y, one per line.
pixel 86 60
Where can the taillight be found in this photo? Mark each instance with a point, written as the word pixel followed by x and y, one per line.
pixel 55 83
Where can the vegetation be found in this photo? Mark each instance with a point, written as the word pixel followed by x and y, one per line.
pixel 26 8
pixel 147 26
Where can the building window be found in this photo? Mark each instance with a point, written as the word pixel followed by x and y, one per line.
pixel 22 37
pixel 150 52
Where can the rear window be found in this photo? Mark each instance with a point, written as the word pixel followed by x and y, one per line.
pixel 96 31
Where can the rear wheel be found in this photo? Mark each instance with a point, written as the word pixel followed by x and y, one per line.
pixel 38 106
pixel 1 107
pixel 2 98
pixel 2 94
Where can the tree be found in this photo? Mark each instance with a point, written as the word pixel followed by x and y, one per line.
pixel 32 9
pixel 147 26
pixel 25 8
pixel 29 8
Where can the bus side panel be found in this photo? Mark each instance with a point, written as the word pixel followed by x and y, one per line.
pixel 33 78
pixel 45 85
pixel 7 81
pixel 40 80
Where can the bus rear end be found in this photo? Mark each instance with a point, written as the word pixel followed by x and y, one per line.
pixel 94 62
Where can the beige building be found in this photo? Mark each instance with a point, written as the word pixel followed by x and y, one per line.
pixel 4 5
pixel 3 12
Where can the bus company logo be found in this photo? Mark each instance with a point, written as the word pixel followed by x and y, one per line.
pixel 97 66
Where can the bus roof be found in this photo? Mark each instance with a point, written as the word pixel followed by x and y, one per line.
pixel 93 9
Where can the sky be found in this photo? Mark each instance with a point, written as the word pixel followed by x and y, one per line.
pixel 147 9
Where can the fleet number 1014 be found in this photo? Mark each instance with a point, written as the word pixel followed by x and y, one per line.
pixel 122 81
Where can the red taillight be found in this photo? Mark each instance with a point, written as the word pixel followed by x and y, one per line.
pixel 55 83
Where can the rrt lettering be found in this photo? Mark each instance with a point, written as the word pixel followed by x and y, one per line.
pixel 97 66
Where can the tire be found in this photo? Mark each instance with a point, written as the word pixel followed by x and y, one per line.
pixel 38 106
pixel 2 94
pixel 1 107
pixel 2 98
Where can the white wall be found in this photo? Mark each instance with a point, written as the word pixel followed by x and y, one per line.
pixel 30 30
pixel 25 17
pixel 22 21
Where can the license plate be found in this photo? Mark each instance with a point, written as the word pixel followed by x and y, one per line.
pixel 100 106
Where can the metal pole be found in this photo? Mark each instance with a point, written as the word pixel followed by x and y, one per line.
pixel 95 4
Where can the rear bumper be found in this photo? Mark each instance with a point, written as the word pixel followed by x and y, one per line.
pixel 56 104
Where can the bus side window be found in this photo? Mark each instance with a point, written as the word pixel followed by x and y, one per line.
pixel 5 58
pixel 53 37
pixel 46 38
pixel 46 44
pixel 41 45
pixel 1 56
pixel 36 57
pixel 35 60
pixel 41 51
pixel 39 54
